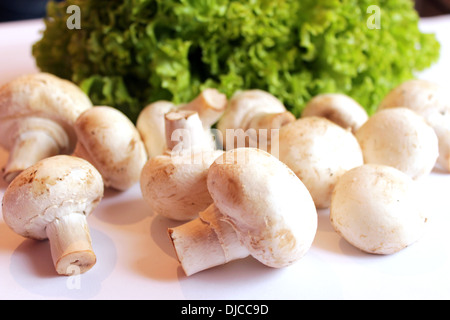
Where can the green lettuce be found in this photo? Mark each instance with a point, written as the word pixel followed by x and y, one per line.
pixel 129 53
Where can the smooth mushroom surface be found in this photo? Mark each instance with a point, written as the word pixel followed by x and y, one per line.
pixel 260 208
pixel 432 102
pixel 51 200
pixel 174 184
pixel 378 209
pixel 250 118
pixel 399 138
pixel 210 104
pixel 37 114
pixel 111 142
pixel 338 108
pixel 319 152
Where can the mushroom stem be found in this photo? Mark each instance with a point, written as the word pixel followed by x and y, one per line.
pixel 209 105
pixel 184 131
pixel 29 148
pixel 70 244
pixel 206 242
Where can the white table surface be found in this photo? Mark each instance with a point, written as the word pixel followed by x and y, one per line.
pixel 136 260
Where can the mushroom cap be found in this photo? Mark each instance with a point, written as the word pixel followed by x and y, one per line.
pixel 432 102
pixel 338 108
pixel 113 145
pixel 399 138
pixel 319 152
pixel 270 209
pixel 175 187
pixel 378 209
pixel 42 95
pixel 50 189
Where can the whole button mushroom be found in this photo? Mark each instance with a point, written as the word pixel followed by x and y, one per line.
pixel 399 138
pixel 111 142
pixel 253 114
pixel 210 105
pixel 378 209
pixel 432 102
pixel 319 152
pixel 260 208
pixel 37 114
pixel 338 108
pixel 174 184
pixel 52 199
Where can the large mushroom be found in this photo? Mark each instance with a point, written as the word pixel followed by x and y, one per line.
pixel 260 208
pixel 399 138
pixel 250 120
pixel 210 105
pixel 378 209
pixel 52 199
pixel 37 114
pixel 174 184
pixel 319 152
pixel 338 108
pixel 111 142
pixel 432 102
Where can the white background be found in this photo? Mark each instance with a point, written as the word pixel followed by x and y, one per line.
pixel 136 260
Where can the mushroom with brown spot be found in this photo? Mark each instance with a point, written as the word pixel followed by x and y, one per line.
pixel 37 114
pixel 174 184
pixel 260 208
pixel 52 200
pixel 319 152
pixel 111 142
pixel 378 209
pixel 338 108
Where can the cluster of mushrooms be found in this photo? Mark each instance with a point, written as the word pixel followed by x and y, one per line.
pixel 257 195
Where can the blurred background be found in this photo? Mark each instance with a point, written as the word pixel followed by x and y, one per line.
pixel 11 10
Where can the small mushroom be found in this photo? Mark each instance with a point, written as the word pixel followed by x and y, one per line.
pixel 432 102
pixel 338 108
pixel 209 105
pixel 174 184
pixel 399 138
pixel 378 209
pixel 37 114
pixel 111 142
pixel 250 118
pixel 51 200
pixel 260 208
pixel 319 152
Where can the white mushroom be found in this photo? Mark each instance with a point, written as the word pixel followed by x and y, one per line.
pixel 432 102
pixel 378 209
pixel 174 184
pixel 52 199
pixel 338 108
pixel 111 142
pixel 260 208
pixel 209 105
pixel 37 113
pixel 250 118
pixel 319 152
pixel 399 138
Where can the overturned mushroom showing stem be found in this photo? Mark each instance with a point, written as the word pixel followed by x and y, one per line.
pixel 399 138
pixel 174 184
pixel 432 102
pixel 378 209
pixel 319 152
pixel 338 108
pixel 250 118
pixel 37 114
pixel 210 105
pixel 51 200
pixel 111 142
pixel 260 208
